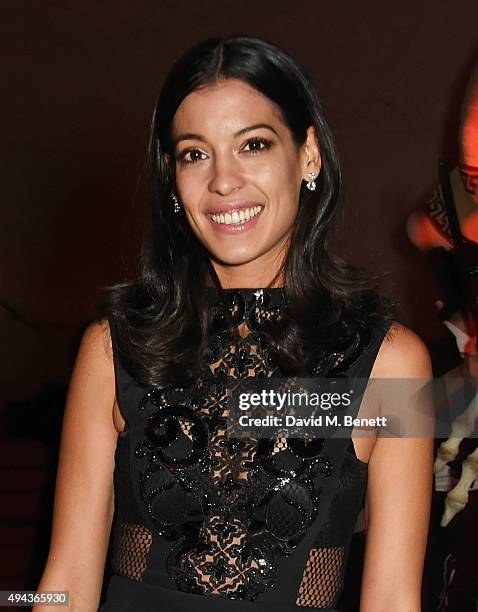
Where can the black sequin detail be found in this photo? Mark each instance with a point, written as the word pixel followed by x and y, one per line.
pixel 232 508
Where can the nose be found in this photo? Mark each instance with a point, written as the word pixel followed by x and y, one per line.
pixel 226 176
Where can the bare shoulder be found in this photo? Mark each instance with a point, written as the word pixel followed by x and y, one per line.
pixel 93 376
pixel 96 343
pixel 403 354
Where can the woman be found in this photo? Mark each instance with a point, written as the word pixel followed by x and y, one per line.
pixel 236 280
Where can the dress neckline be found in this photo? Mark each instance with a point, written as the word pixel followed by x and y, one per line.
pixel 265 296
pixel 251 305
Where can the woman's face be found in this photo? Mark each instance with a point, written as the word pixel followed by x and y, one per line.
pixel 238 177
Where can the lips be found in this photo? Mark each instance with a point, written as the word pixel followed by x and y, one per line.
pixel 235 219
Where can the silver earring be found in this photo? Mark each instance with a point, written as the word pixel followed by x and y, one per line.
pixel 311 184
pixel 177 205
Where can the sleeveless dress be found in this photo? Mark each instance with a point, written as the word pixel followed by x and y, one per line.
pixel 211 523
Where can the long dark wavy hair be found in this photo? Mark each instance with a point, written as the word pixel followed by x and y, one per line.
pixel 161 320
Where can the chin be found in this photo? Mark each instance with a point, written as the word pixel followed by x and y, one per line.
pixel 232 259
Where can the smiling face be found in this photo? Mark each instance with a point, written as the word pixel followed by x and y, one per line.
pixel 238 177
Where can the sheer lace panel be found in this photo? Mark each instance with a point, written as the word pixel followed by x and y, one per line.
pixel 321 582
pixel 232 508
pixel 131 546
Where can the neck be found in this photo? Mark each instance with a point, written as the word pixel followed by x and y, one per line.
pixel 264 271
pixel 232 277
pixel 252 284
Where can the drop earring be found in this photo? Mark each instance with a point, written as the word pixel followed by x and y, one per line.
pixel 311 185
pixel 177 205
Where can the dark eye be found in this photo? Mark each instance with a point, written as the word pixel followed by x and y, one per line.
pixel 256 145
pixel 194 156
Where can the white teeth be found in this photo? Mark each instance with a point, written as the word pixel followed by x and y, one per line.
pixel 237 217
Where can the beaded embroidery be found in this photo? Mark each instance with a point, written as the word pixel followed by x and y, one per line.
pixel 232 507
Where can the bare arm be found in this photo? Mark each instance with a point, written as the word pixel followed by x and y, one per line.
pixel 398 495
pixel 84 499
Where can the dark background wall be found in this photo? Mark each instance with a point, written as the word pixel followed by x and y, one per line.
pixel 79 84
pixel 79 81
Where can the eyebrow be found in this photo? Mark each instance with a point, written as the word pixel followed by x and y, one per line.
pixel 249 128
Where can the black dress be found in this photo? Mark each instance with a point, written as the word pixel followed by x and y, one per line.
pixel 209 523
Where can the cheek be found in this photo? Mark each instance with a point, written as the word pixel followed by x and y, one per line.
pixel 190 186
pixel 277 175
pixel 281 183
